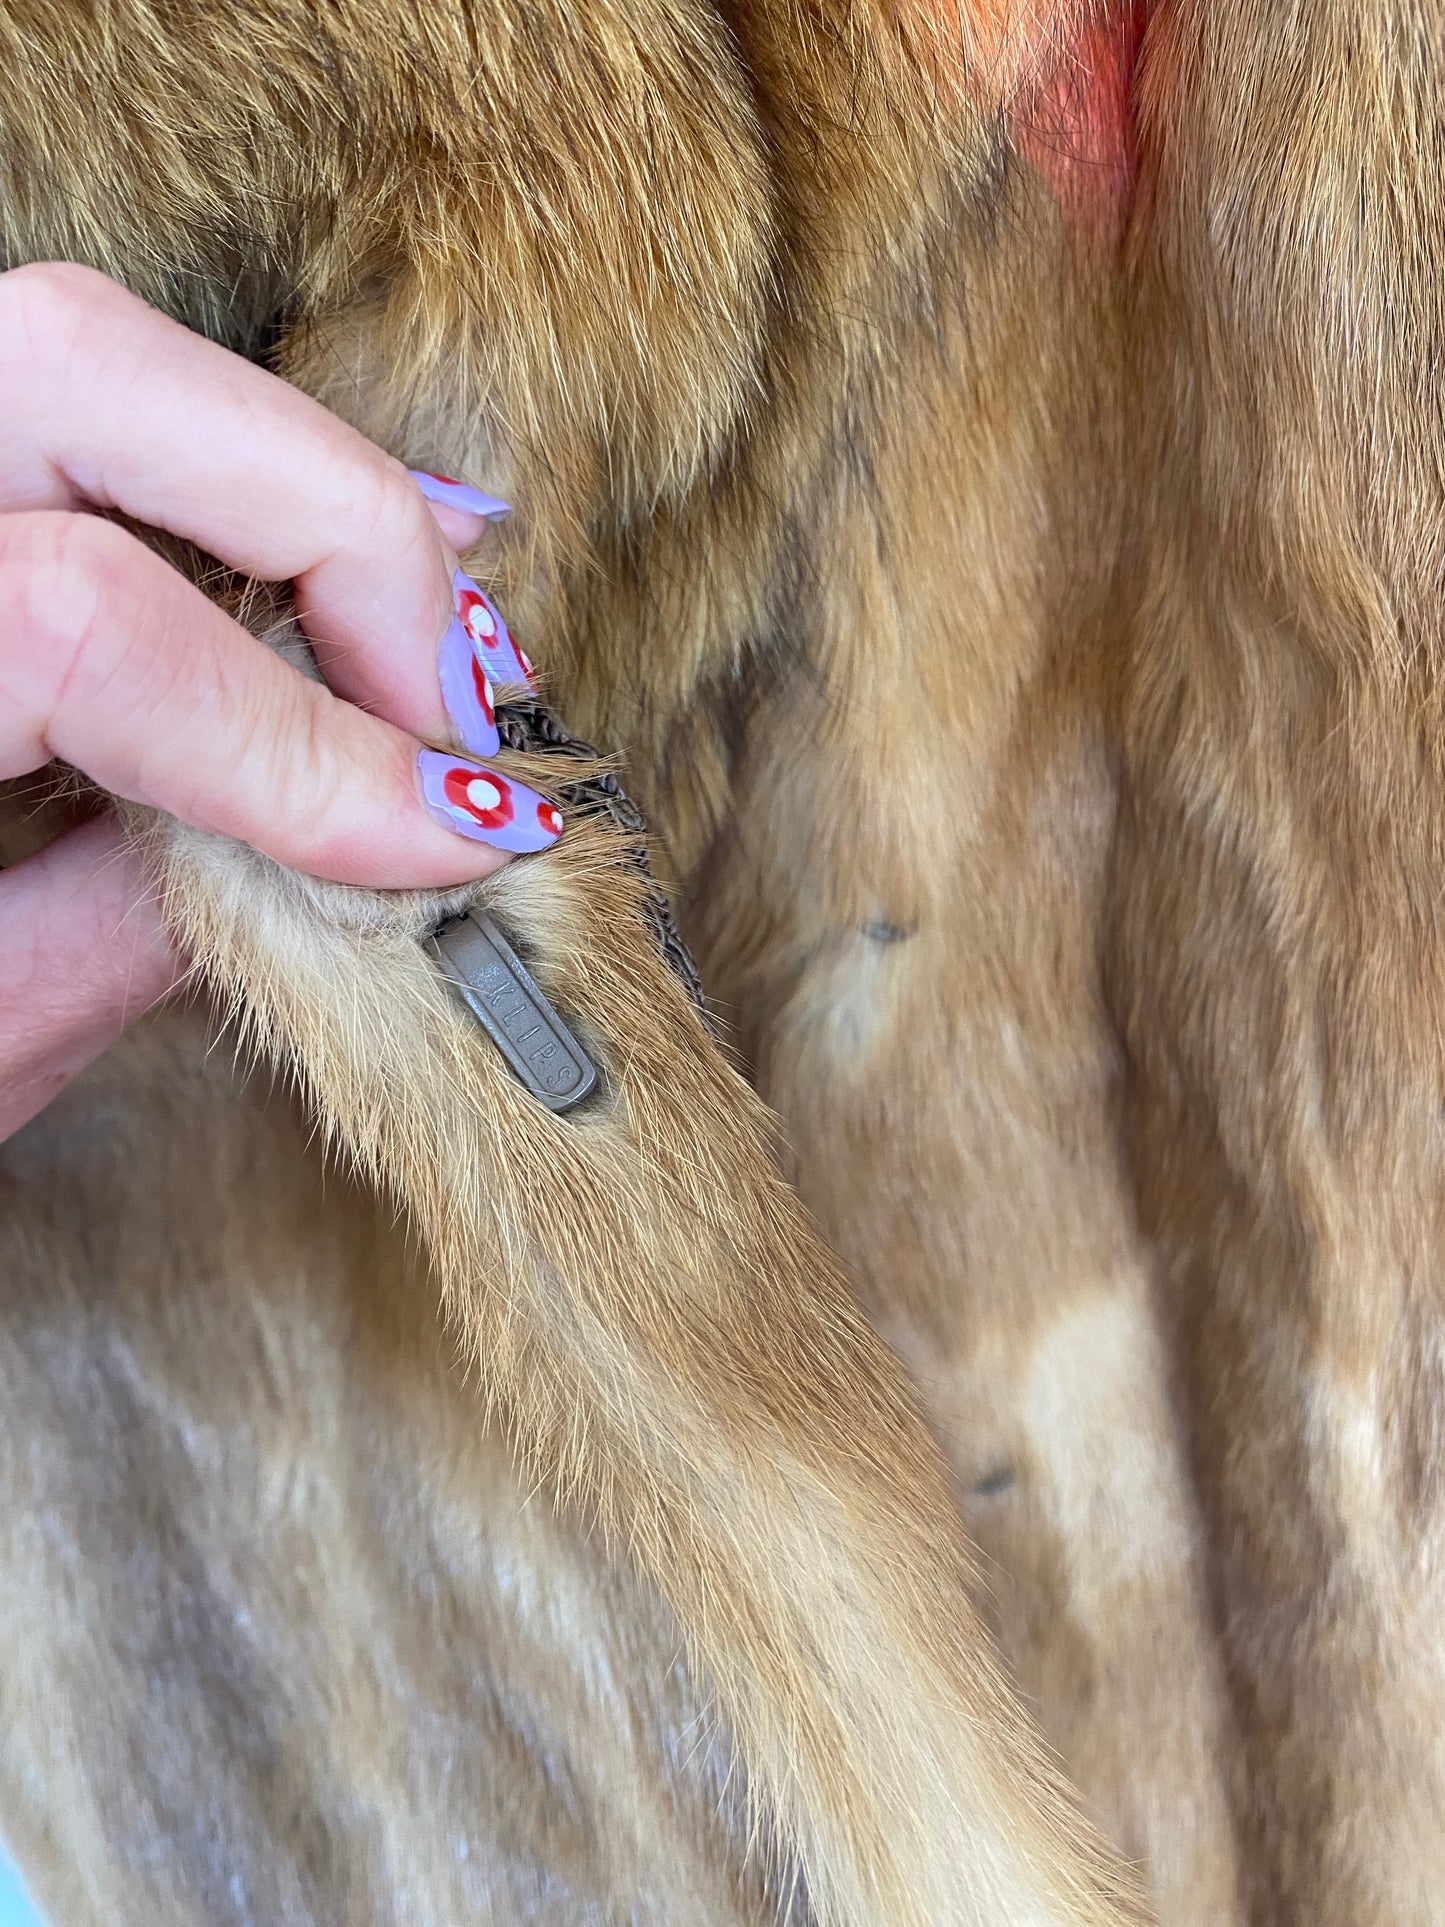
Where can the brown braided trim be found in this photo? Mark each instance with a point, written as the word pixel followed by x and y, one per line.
pixel 533 726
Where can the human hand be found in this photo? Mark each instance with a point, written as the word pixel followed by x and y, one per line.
pixel 113 662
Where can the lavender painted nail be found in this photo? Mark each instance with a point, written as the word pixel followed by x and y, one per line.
pixel 485 805
pixel 467 692
pixel 500 657
pixel 449 493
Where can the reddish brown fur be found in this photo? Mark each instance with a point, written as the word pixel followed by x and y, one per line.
pixel 1026 644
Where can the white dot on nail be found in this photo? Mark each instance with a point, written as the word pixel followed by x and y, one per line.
pixel 483 795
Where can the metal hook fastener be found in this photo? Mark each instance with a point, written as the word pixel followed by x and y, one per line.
pixel 499 991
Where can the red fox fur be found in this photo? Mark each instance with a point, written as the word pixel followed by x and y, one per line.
pixel 981 469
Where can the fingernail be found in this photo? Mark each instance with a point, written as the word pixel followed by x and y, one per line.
pixel 485 805
pixel 467 692
pixel 502 660
pixel 451 494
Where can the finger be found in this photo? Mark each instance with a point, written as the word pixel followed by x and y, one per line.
pixel 459 531
pixel 113 662
pixel 104 401
pixel 449 496
pixel 461 511
pixel 82 952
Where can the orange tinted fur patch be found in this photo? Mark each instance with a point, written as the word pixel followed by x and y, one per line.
pixel 1076 126
pixel 1065 72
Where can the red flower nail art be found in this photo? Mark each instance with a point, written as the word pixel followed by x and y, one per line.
pixel 480 803
pixel 485 630
pixel 477 618
pixel 483 691
pixel 485 797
